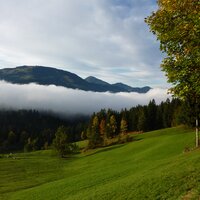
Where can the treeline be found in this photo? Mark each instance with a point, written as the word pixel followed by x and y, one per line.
pixel 32 130
pixel 108 124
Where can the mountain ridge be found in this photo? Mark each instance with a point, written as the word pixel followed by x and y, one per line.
pixel 48 75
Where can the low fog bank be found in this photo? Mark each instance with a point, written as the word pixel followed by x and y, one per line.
pixel 69 101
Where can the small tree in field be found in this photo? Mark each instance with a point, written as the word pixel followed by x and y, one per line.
pixel 61 142
pixel 11 138
pixel 176 24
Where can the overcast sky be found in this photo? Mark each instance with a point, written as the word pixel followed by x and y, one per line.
pixel 103 38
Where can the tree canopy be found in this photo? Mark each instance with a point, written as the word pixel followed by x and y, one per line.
pixel 176 24
pixel 62 142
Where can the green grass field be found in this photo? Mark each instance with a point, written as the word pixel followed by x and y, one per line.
pixel 154 166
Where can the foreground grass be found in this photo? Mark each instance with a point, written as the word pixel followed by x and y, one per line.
pixel 152 167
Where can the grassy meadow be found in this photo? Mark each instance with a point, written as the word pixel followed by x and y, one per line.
pixel 153 166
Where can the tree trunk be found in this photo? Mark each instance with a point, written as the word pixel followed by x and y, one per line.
pixel 197 132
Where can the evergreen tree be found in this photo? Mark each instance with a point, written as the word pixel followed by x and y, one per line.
pixel 151 115
pixel 23 138
pixel 159 117
pixel 167 114
pixel 11 138
pixel 141 126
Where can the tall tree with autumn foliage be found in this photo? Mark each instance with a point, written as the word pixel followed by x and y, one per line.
pixel 93 134
pixel 123 126
pixel 102 127
pixel 113 125
pixel 176 24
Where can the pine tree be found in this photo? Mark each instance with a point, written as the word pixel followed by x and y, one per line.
pixel 141 126
pixel 11 138
pixel 151 115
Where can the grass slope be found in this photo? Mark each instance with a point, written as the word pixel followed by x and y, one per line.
pixel 152 167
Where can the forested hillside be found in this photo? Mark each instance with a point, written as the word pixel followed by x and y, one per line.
pixel 109 124
pixel 32 130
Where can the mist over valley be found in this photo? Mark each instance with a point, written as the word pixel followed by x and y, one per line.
pixel 67 101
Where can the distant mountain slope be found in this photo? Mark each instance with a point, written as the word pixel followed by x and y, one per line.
pixel 132 89
pixel 94 80
pixel 43 76
pixel 117 87
pixel 48 75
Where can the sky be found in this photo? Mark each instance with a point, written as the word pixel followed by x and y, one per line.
pixel 107 39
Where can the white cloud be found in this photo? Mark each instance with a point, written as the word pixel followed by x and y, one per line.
pixel 70 102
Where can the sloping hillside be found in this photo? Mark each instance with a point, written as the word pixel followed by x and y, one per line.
pixel 154 166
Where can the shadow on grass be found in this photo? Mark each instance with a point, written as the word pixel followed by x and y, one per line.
pixel 112 146
pixel 104 149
